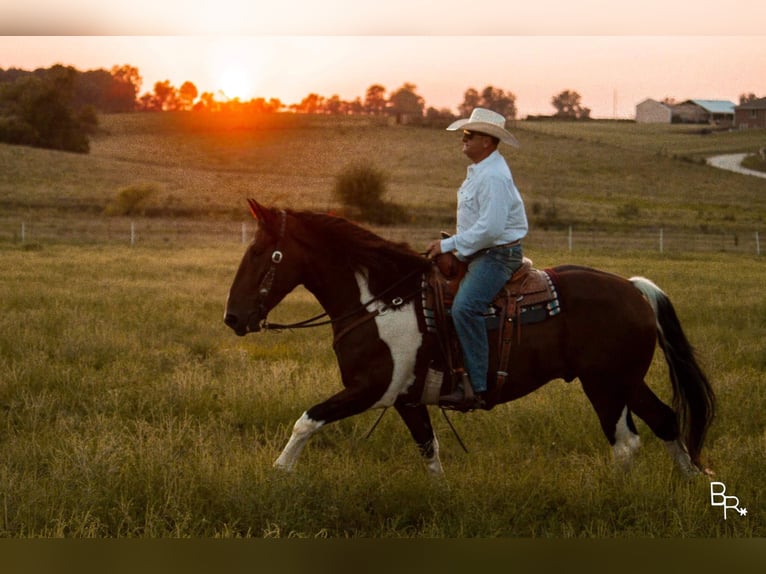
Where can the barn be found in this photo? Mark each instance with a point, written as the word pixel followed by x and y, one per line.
pixel 751 114
pixel 720 112
pixel 653 112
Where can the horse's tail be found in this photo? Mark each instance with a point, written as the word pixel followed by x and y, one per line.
pixel 693 397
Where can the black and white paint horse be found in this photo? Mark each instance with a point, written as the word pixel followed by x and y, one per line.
pixel 370 288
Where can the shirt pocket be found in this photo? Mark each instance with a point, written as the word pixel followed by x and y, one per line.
pixel 467 203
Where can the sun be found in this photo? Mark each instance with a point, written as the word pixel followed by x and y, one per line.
pixel 236 80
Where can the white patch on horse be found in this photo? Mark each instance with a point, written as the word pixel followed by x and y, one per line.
pixel 302 430
pixel 434 464
pixel 651 292
pixel 626 442
pixel 398 328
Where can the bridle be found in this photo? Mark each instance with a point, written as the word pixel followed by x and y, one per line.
pixel 267 282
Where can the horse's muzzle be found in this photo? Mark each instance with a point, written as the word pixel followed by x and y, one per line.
pixel 241 328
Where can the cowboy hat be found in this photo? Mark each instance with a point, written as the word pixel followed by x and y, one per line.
pixel 486 122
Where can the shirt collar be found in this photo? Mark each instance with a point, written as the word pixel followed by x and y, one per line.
pixel 475 168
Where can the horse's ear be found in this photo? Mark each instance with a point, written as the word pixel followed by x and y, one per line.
pixel 256 209
pixel 263 215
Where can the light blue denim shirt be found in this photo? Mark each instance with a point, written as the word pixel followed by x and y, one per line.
pixel 490 210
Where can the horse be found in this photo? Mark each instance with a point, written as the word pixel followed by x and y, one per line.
pixel 370 291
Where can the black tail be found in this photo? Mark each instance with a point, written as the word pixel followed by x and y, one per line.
pixel 693 397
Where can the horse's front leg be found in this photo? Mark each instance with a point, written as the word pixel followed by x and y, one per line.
pixel 302 430
pixel 418 422
pixel 348 402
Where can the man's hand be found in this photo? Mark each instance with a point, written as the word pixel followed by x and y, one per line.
pixel 434 249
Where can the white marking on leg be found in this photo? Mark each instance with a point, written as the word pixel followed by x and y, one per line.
pixel 680 455
pixel 398 328
pixel 434 463
pixel 302 430
pixel 626 442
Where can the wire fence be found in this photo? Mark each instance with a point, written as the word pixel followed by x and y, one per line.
pixel 152 232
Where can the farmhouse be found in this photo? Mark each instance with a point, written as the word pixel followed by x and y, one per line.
pixel 751 114
pixel 720 112
pixel 653 112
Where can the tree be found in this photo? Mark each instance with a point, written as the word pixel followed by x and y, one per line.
pixel 165 97
pixel 333 105
pixel 36 110
pixel 438 118
pixel 375 100
pixel 745 98
pixel 187 93
pixel 311 104
pixel 500 101
pixel 406 104
pixel 492 98
pixel 471 100
pixel 207 103
pixel 568 106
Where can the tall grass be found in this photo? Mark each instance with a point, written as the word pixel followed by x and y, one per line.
pixel 128 409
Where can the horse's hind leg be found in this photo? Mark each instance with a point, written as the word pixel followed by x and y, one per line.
pixel 662 420
pixel 610 404
pixel 418 422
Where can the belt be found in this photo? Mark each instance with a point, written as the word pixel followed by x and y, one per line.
pixel 511 244
pixel 487 249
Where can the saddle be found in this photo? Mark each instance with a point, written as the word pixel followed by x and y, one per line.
pixel 529 296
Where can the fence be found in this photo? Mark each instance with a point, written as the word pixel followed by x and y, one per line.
pixel 172 232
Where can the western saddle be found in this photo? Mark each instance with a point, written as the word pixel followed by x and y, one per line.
pixel 529 296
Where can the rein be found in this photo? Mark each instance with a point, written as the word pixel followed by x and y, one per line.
pixel 264 288
pixel 316 322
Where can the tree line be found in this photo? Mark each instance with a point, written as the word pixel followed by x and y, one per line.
pixel 57 107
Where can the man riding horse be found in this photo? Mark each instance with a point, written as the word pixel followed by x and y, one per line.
pixel 491 223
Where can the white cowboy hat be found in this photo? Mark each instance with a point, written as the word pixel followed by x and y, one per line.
pixel 486 122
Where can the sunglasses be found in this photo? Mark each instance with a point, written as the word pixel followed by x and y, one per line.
pixel 469 135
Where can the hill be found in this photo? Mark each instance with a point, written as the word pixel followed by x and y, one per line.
pixel 610 176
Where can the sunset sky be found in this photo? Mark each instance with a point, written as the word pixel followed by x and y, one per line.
pixel 612 58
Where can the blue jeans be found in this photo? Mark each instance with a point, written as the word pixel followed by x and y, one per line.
pixel 487 273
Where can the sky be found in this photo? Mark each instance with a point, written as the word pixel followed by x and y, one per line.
pixel 614 54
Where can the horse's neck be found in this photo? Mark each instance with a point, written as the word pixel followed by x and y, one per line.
pixel 339 293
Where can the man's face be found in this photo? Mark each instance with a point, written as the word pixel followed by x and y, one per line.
pixel 476 145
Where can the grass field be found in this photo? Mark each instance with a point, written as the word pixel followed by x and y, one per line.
pixel 128 409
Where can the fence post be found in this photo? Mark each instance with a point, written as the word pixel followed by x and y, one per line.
pixel 24 232
pixel 757 244
pixel 570 239
pixel 132 234
pixel 662 240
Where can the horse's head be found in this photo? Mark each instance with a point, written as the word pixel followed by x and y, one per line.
pixel 269 270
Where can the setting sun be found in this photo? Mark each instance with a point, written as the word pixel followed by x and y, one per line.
pixel 233 68
pixel 236 81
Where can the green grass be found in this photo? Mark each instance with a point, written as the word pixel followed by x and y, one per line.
pixel 128 409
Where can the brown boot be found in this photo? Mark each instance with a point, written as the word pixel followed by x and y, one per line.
pixel 458 401
pixel 454 398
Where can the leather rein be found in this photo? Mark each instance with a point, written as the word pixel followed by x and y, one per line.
pixel 264 288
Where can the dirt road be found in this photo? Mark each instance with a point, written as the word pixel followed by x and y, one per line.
pixel 732 162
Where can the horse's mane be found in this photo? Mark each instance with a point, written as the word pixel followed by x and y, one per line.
pixel 351 246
